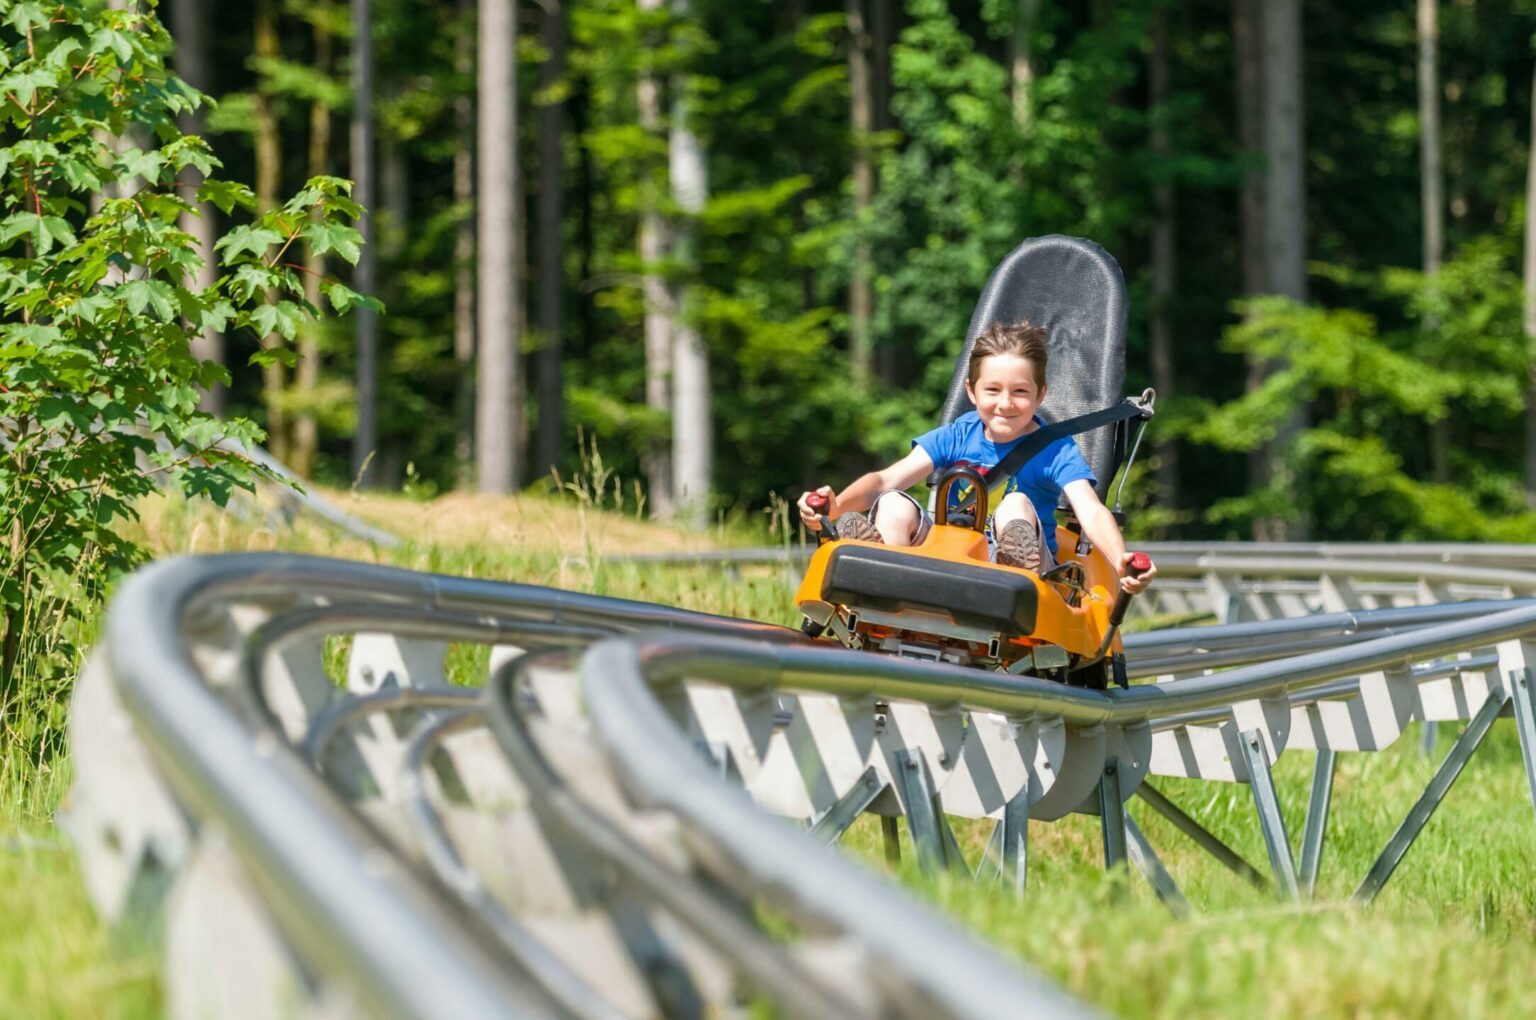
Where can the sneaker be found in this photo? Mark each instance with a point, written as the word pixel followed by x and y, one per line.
pixel 857 527
pixel 1019 546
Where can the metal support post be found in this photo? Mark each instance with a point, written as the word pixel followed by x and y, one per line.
pixel 922 819
pixel 1007 854
pixel 831 826
pixel 1145 858
pixel 1271 821
pixel 1112 814
pixel 1461 752
pixel 1428 737
pixel 1525 723
pixel 1207 840
pixel 954 857
pixel 1317 819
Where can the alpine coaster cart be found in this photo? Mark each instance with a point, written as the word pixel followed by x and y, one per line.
pixel 944 599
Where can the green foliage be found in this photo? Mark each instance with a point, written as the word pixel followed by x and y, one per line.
pixel 98 383
pixel 1369 401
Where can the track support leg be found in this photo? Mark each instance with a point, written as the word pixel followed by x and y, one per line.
pixel 1271 821
pixel 1112 814
pixel 1145 858
pixel 1207 840
pixel 1317 819
pixel 1007 853
pixel 924 822
pixel 1520 684
pixel 1418 816
pixel 830 827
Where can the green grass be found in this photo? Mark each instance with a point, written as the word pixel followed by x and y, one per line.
pixel 1454 933
pixel 57 959
pixel 1451 935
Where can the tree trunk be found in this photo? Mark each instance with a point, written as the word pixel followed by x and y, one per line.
pixel 190 18
pixel 692 428
pixel 551 246
pixel 861 291
pixel 464 250
pixel 880 61
pixel 1250 132
pixel 1285 209
pixel 1530 310
pixel 496 413
pixel 268 179
pixel 365 442
pixel 1431 192
pixel 1163 264
pixel 306 430
pixel 659 311
pixel 1021 61
pixel 1285 220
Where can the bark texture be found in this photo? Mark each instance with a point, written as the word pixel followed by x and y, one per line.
pixel 496 412
pixel 366 441
pixel 551 243
pixel 1163 253
pixel 269 157
pixel 306 429
pixel 692 425
pixel 659 310
pixel 190 18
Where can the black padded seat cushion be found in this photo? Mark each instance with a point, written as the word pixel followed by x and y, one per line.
pixel 888 580
pixel 1075 289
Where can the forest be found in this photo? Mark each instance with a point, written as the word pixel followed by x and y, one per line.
pixel 731 248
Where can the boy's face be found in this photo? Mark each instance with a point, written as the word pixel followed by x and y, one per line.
pixel 1006 396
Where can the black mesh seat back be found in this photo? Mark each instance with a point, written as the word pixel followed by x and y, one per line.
pixel 1076 291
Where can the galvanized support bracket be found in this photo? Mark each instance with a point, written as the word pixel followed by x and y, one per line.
pixel 1207 840
pixel 1418 816
pixel 1006 857
pixel 1271 821
pixel 1429 737
pixel 954 857
pixel 831 826
pixel 1317 819
pixel 1146 861
pixel 1525 723
pixel 923 821
pixel 1112 814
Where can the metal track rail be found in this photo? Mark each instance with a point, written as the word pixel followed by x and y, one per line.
pixel 363 873
pixel 274 753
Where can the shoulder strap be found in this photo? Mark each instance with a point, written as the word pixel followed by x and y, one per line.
pixel 1038 440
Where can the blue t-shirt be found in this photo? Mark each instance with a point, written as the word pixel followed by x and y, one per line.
pixel 964 443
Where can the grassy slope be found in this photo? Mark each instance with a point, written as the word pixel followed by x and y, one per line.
pixel 1452 934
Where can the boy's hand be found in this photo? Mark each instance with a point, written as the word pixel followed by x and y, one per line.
pixel 1135 584
pixel 811 515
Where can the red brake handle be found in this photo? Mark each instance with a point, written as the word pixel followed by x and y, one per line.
pixel 816 501
pixel 1140 564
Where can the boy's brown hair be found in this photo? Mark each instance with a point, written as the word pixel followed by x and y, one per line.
pixel 1024 339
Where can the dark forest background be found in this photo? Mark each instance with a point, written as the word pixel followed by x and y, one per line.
pixel 1320 210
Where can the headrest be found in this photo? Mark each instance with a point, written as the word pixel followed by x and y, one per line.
pixel 1076 291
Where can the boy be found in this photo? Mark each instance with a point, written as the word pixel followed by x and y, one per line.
pixel 1006 383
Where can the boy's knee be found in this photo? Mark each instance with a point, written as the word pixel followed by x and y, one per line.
pixel 1015 506
pixel 896 520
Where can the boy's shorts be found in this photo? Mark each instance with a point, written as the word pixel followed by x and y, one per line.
pixel 925 524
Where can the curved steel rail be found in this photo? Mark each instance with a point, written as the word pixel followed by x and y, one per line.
pixel 398 939
pixel 342 811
